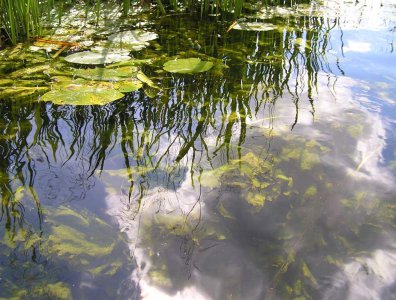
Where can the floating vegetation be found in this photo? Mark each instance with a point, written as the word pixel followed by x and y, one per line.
pixel 21 92
pixel 254 26
pixel 134 40
pixel 95 58
pixel 88 93
pixel 98 86
pixel 187 66
pixel 107 74
pixel 132 37
pixel 143 78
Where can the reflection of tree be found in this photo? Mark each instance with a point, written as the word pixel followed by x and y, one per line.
pixel 17 166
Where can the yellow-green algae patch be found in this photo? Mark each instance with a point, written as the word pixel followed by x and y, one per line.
pixel 355 130
pixel 160 277
pixel 65 240
pixel 310 191
pixel 56 291
pixel 258 180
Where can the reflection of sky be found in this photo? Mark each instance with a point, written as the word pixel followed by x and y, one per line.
pixel 364 53
pixel 363 45
pixel 367 90
pixel 334 107
pixel 362 14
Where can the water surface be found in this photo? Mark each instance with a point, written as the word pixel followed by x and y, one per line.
pixel 269 177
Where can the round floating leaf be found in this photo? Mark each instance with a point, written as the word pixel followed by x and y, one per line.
pixel 128 86
pixel 20 92
pixel 132 62
pixel 95 58
pixel 187 66
pixel 110 49
pixel 102 74
pixel 132 37
pixel 254 26
pixel 83 94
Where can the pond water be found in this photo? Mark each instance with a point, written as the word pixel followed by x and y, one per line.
pixel 270 176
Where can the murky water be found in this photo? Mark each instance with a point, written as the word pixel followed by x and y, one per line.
pixel 272 176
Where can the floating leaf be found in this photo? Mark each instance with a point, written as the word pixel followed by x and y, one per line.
pixel 103 74
pixel 187 66
pixel 254 26
pixel 95 58
pixel 110 49
pixel 133 37
pixel 6 81
pixel 29 71
pixel 132 62
pixel 83 94
pixel 128 86
pixel 20 92
pixel 143 78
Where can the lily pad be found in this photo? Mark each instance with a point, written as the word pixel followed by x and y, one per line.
pixel 132 62
pixel 102 74
pixel 254 26
pixel 128 86
pixel 96 58
pixel 187 66
pixel 109 49
pixel 133 37
pixel 20 92
pixel 83 94
pixel 143 78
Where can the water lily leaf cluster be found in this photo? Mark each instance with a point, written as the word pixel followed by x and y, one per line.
pixel 68 85
pixel 98 86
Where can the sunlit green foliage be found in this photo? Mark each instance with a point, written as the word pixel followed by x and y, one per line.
pixel 187 66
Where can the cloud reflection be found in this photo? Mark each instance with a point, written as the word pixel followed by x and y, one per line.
pixel 176 260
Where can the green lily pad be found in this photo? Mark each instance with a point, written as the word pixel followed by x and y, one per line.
pixel 83 94
pixel 110 49
pixel 254 26
pixel 20 92
pixel 133 37
pixel 132 62
pixel 143 78
pixel 96 58
pixel 187 66
pixel 102 74
pixel 128 86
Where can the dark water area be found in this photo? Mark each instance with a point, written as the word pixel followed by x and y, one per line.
pixel 271 176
